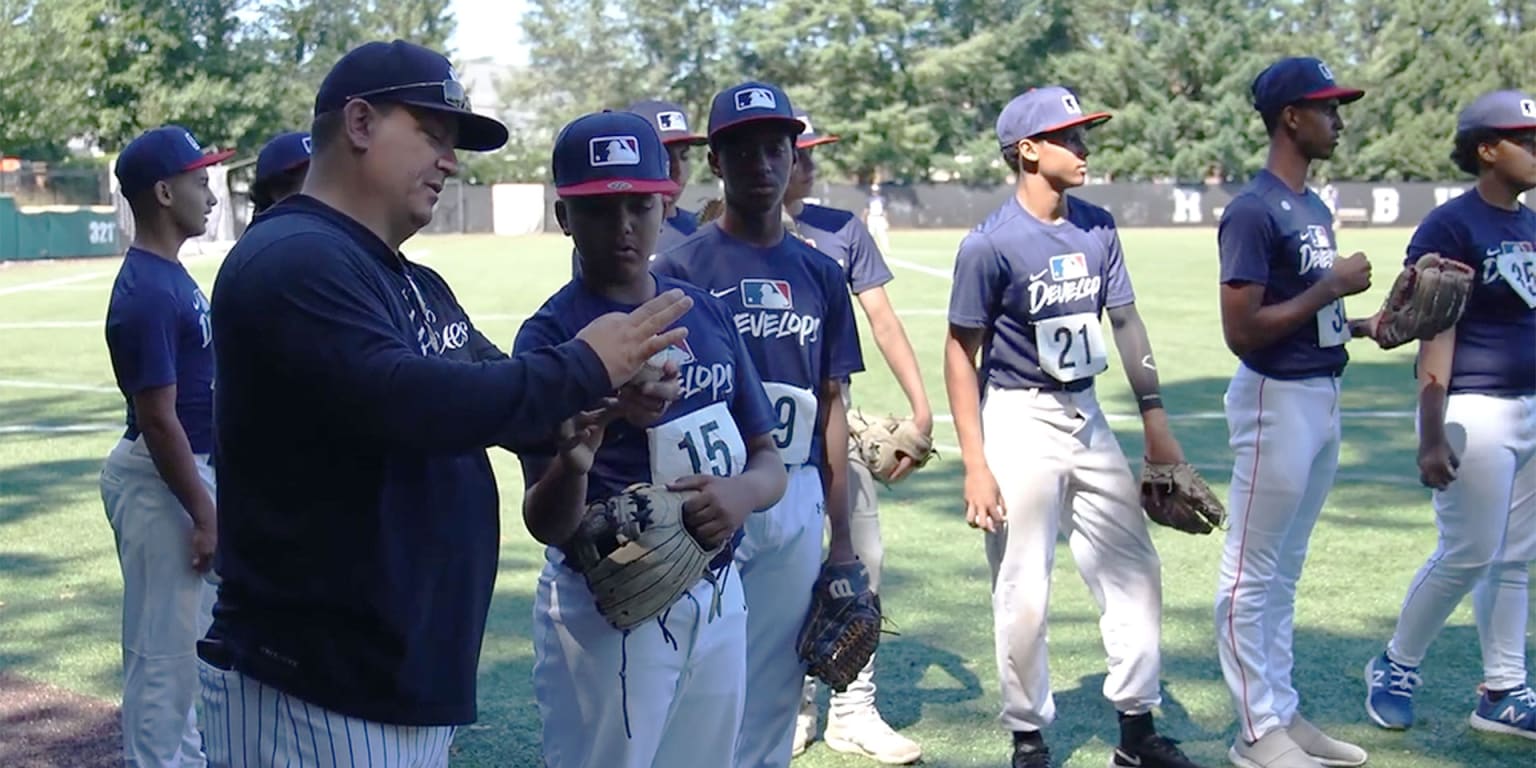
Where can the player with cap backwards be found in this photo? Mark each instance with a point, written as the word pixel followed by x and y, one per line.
pixel 853 723
pixel 1282 314
pixel 359 516
pixel 671 691
pixel 157 484
pixel 671 122
pixel 1477 428
pixel 791 307
pixel 1030 286
pixel 280 169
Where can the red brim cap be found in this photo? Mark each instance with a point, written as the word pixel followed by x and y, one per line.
pixel 212 158
pixel 619 187
pixel 815 142
pixel 1090 120
pixel 1344 95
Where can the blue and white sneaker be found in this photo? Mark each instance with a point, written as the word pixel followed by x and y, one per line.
pixel 1389 692
pixel 1514 714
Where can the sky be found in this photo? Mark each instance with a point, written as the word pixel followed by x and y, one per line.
pixel 490 28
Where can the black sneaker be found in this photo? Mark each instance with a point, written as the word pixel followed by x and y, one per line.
pixel 1026 755
pixel 1153 752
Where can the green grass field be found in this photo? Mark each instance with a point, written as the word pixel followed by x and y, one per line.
pixel 60 587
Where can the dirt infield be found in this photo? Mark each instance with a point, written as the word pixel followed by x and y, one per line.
pixel 49 727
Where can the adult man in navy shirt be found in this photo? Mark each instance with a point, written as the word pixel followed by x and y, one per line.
pixel 157 485
pixel 356 401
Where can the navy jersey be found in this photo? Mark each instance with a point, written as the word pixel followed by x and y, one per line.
pixel 1274 237
pixel 1041 289
pixel 1496 338
pixel 842 236
pixel 677 229
pixel 716 370
pixel 791 307
pixel 158 334
pixel 358 515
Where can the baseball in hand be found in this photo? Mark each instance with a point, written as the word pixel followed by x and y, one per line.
pixel 652 370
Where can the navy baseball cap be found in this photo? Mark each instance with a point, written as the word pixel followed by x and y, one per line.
pixel 1296 79
pixel 159 154
pixel 752 102
pixel 1044 110
pixel 404 73
pixel 609 153
pixel 670 121
pixel 1498 111
pixel 283 153
pixel 809 137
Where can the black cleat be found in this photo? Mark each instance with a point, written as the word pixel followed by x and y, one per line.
pixel 1153 751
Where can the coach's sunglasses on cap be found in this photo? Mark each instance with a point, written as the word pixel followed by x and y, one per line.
pixel 453 92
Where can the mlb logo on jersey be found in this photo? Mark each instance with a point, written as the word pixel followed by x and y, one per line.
pixel 1514 247
pixel 671 121
pixel 755 98
pixel 613 150
pixel 1317 235
pixel 679 353
pixel 1069 266
pixel 766 294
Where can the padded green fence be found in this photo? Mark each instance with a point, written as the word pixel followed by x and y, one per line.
pixel 56 231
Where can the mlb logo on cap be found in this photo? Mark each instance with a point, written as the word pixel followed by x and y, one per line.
pixel 671 121
pixel 766 294
pixel 1298 79
pixel 1498 111
pixel 668 119
pixel 610 152
pixel 755 98
pixel 614 150
pixel 752 102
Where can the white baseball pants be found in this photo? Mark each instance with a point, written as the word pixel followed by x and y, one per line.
pixel 1285 443
pixel 249 724
pixel 1061 471
pixel 1487 523
pixel 167 607
pixel 669 692
pixel 779 560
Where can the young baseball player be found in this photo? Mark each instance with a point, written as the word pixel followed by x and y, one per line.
pixel 791 308
pixel 359 517
pixel 671 122
pixel 1477 428
pixel 280 169
pixel 157 485
pixel 853 723
pixel 1031 284
pixel 1282 313
pixel 669 692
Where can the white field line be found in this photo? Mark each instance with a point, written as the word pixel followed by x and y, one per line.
pixel 43 325
pixel 18 384
pixel 1219 416
pixel 923 268
pixel 54 429
pixel 46 284
pixel 1222 470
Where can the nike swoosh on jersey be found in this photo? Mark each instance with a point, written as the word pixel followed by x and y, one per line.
pixel 1038 275
pixel 724 293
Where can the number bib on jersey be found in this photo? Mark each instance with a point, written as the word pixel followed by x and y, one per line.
pixel 1519 270
pixel 794 416
pixel 1071 347
pixel 704 442
pixel 1332 328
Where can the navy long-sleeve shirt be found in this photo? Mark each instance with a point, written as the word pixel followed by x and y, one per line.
pixel 358 515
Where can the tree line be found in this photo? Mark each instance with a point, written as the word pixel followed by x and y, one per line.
pixel 912 86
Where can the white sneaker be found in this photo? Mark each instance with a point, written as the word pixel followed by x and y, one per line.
pixel 1275 749
pixel 1324 748
pixel 868 735
pixel 805 722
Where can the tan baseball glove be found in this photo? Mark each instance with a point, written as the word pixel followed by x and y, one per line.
pixel 635 554
pixel 881 443
pixel 1427 297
